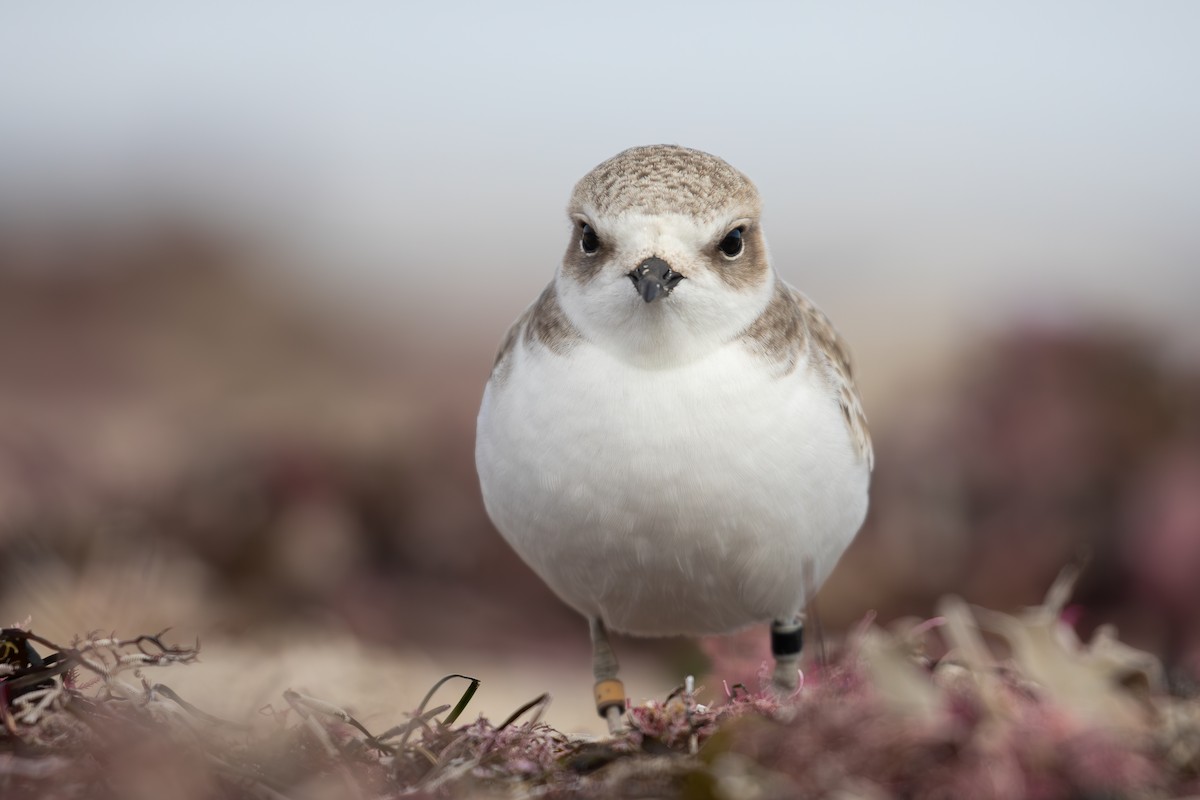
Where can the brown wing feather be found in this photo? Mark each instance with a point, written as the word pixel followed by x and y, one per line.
pixel 829 349
pixel 792 330
pixel 543 322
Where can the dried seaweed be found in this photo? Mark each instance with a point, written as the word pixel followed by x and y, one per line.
pixel 1045 716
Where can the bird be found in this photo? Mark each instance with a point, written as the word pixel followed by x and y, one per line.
pixel 671 436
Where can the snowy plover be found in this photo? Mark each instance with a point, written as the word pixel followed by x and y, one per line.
pixel 671 437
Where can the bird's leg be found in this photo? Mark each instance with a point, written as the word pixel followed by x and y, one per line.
pixel 610 692
pixel 787 639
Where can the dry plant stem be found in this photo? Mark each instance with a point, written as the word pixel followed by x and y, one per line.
pixel 35 703
pixel 439 763
pixel 10 724
pixel 301 704
pixel 523 758
pixel 419 713
pixel 443 771
pixel 104 656
pixel 63 666
pixel 170 694
pixel 318 732
pixel 437 780
pixel 329 709
pixel 412 724
pixel 540 703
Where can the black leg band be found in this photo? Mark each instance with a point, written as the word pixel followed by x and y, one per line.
pixel 786 640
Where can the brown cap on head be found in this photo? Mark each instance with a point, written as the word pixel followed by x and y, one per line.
pixel 664 179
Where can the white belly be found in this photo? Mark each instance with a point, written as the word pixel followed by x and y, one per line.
pixel 682 501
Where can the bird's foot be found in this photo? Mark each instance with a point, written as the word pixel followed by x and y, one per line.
pixel 615 717
pixel 787 678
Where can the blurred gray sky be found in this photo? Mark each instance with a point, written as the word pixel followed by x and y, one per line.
pixel 925 166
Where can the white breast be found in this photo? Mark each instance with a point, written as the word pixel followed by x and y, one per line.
pixel 680 501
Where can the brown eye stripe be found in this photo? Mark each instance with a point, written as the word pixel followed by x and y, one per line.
pixel 750 268
pixel 581 265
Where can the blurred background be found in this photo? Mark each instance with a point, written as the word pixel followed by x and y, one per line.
pixel 255 261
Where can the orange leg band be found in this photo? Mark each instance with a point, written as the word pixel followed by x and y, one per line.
pixel 610 693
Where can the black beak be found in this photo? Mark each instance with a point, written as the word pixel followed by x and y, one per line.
pixel 654 278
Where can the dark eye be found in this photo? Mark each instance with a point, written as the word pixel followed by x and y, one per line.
pixel 588 239
pixel 731 245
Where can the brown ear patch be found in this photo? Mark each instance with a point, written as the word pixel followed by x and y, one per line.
pixel 750 268
pixel 580 265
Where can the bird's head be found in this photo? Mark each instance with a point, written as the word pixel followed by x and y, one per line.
pixel 666 259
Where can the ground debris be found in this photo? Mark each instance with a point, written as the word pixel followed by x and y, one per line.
pixel 882 718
